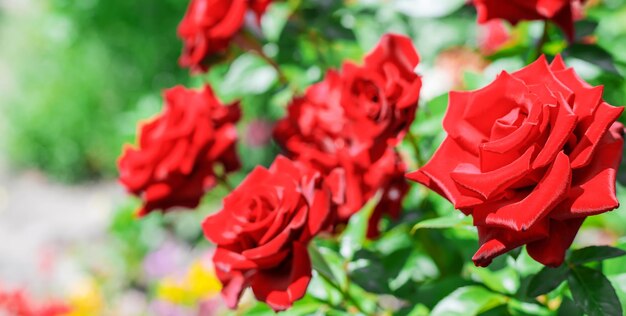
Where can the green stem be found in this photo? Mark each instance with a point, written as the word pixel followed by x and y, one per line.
pixel 221 179
pixel 414 141
pixel 542 41
pixel 344 292
pixel 250 43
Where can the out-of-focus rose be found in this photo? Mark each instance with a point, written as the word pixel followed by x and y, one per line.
pixel 210 25
pixel 561 12
pixel 529 157
pixel 346 127
pixel 263 231
pixel 18 302
pixel 258 133
pixel 179 150
pixel 492 35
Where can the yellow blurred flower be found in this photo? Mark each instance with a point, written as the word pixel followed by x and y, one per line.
pixel 200 283
pixel 86 299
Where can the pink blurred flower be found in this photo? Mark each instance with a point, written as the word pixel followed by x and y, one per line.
pixel 492 36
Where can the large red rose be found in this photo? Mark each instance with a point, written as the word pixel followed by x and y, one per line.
pixel 561 12
pixel 529 157
pixel 263 231
pixel 179 150
pixel 209 26
pixel 346 127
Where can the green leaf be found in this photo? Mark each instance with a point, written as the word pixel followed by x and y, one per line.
pixel 248 74
pixel 355 233
pixel 619 283
pixel 319 263
pixel 517 308
pixel 593 292
pixel 594 55
pixel 505 280
pixel 456 220
pixel 547 280
pixel 595 253
pixel 368 272
pixel 274 20
pixel 615 266
pixel 468 301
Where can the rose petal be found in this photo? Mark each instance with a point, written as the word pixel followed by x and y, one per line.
pixel 436 174
pixel 496 241
pixel 551 250
pixel 562 127
pixel 593 187
pixel 279 288
pixel 489 183
pixel 604 116
pixel 522 215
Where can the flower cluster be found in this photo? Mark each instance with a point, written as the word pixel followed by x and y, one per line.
pixel 347 125
pixel 179 151
pixel 210 25
pixel 530 156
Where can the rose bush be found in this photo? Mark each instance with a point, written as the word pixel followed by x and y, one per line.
pixel 179 150
pixel 263 231
pixel 346 127
pixel 210 25
pixel 529 157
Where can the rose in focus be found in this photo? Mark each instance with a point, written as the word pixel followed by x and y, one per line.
pixel 529 157
pixel 263 231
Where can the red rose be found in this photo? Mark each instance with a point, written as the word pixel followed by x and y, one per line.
pixel 179 150
pixel 263 231
pixel 493 35
pixel 529 157
pixel 18 302
pixel 209 26
pixel 346 127
pixel 381 96
pixel 561 12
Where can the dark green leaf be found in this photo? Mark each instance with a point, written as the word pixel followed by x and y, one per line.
pixel 319 263
pixel 594 55
pixel 368 272
pixel 593 292
pixel 547 280
pixel 595 253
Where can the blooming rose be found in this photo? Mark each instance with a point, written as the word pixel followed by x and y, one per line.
pixel 346 126
pixel 209 26
pixel 263 231
pixel 529 157
pixel 179 150
pixel 561 12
